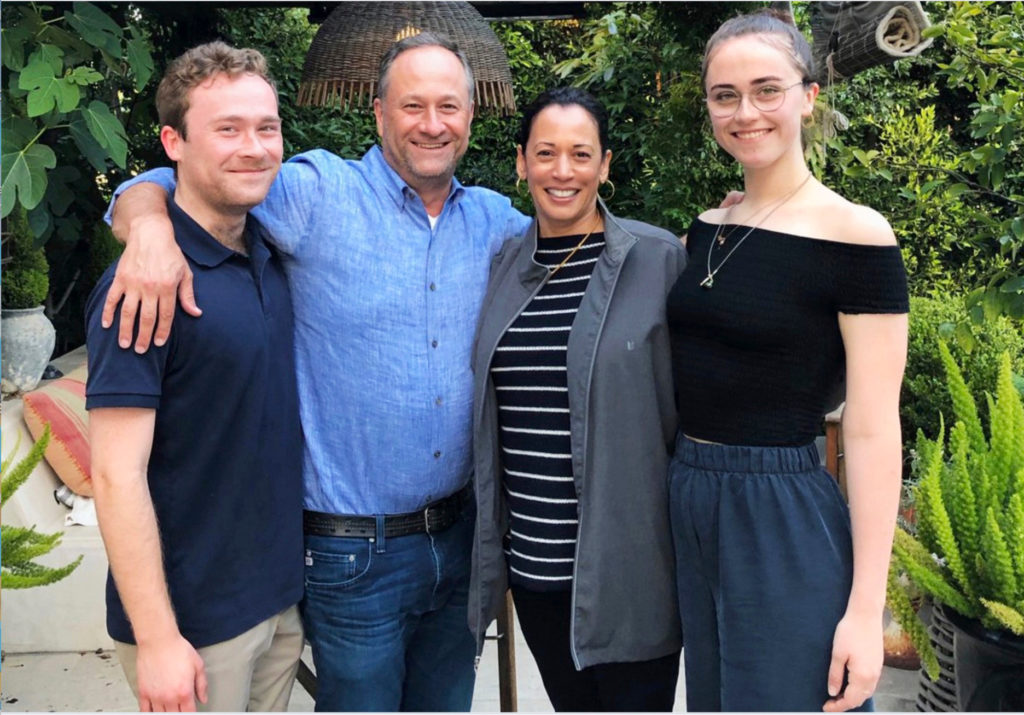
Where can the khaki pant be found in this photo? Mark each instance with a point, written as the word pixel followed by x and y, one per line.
pixel 252 672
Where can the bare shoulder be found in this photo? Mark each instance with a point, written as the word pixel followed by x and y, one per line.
pixel 854 223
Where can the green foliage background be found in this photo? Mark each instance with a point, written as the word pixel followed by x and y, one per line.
pixel 932 142
pixel 925 400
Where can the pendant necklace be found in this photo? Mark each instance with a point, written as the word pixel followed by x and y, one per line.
pixel 709 281
pixel 579 245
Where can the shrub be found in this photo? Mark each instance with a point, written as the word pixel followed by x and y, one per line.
pixel 26 279
pixel 104 249
pixel 978 347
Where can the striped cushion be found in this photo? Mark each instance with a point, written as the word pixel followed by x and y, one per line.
pixel 61 403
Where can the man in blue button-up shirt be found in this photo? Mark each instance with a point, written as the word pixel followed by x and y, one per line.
pixel 387 258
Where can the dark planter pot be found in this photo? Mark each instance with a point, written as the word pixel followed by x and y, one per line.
pixel 989 667
pixel 938 695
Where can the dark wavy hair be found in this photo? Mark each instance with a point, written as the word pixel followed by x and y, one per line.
pixel 564 97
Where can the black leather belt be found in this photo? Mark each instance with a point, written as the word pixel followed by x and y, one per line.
pixel 436 516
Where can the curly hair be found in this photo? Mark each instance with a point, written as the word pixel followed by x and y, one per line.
pixel 196 66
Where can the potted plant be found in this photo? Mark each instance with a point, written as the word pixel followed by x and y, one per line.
pixel 22 545
pixel 968 550
pixel 28 335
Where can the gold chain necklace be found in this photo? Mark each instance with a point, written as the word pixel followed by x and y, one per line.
pixel 579 245
pixel 709 281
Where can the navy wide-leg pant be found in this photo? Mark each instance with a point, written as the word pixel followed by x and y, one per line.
pixel 764 565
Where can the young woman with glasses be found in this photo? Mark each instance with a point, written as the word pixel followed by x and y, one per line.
pixel 790 299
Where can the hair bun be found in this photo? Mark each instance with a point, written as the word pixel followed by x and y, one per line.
pixel 780 15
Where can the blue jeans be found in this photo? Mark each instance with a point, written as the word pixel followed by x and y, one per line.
pixel 387 619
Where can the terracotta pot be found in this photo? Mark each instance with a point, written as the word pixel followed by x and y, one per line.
pixel 899 651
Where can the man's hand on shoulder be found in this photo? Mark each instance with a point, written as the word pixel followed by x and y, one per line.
pixel 152 274
pixel 170 676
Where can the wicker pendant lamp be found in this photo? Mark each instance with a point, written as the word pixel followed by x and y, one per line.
pixel 342 62
pixel 850 37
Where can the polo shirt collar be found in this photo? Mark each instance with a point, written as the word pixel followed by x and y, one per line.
pixel 201 247
pixel 389 182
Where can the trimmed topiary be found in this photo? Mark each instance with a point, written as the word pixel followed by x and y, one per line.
pixel 26 278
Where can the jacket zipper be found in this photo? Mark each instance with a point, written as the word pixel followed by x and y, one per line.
pixel 490 353
pixel 586 422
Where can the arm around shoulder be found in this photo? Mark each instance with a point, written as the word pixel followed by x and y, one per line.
pixel 152 273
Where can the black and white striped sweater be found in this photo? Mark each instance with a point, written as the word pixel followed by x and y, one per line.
pixel 529 375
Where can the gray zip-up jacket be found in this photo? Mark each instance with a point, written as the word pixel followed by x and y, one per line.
pixel 623 426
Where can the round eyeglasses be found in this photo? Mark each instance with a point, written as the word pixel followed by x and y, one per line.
pixel 725 102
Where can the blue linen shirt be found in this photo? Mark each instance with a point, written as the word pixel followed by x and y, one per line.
pixel 223 472
pixel 385 312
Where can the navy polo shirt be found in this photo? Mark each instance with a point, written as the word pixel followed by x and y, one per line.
pixel 225 471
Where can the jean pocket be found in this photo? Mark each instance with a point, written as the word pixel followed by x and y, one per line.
pixel 338 568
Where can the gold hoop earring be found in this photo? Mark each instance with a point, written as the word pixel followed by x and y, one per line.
pixel 519 180
pixel 607 198
pixel 808 121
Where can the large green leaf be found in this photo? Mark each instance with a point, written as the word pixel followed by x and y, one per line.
pixel 95 154
pixel 46 90
pixel 107 130
pixel 16 132
pixel 24 173
pixel 12 45
pixel 60 193
pixel 51 55
pixel 140 61
pixel 40 220
pixel 68 228
pixel 1014 285
pixel 76 50
pixel 95 27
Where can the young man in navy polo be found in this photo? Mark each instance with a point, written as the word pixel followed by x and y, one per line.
pixel 196 445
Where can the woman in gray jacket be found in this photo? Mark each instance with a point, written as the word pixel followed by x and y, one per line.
pixel 574 424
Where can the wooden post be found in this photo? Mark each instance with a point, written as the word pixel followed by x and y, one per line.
pixel 507 657
pixel 834 462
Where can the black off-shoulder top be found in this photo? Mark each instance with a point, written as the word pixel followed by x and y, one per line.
pixel 758 358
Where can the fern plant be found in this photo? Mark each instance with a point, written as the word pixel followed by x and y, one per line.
pixel 968 549
pixel 22 545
